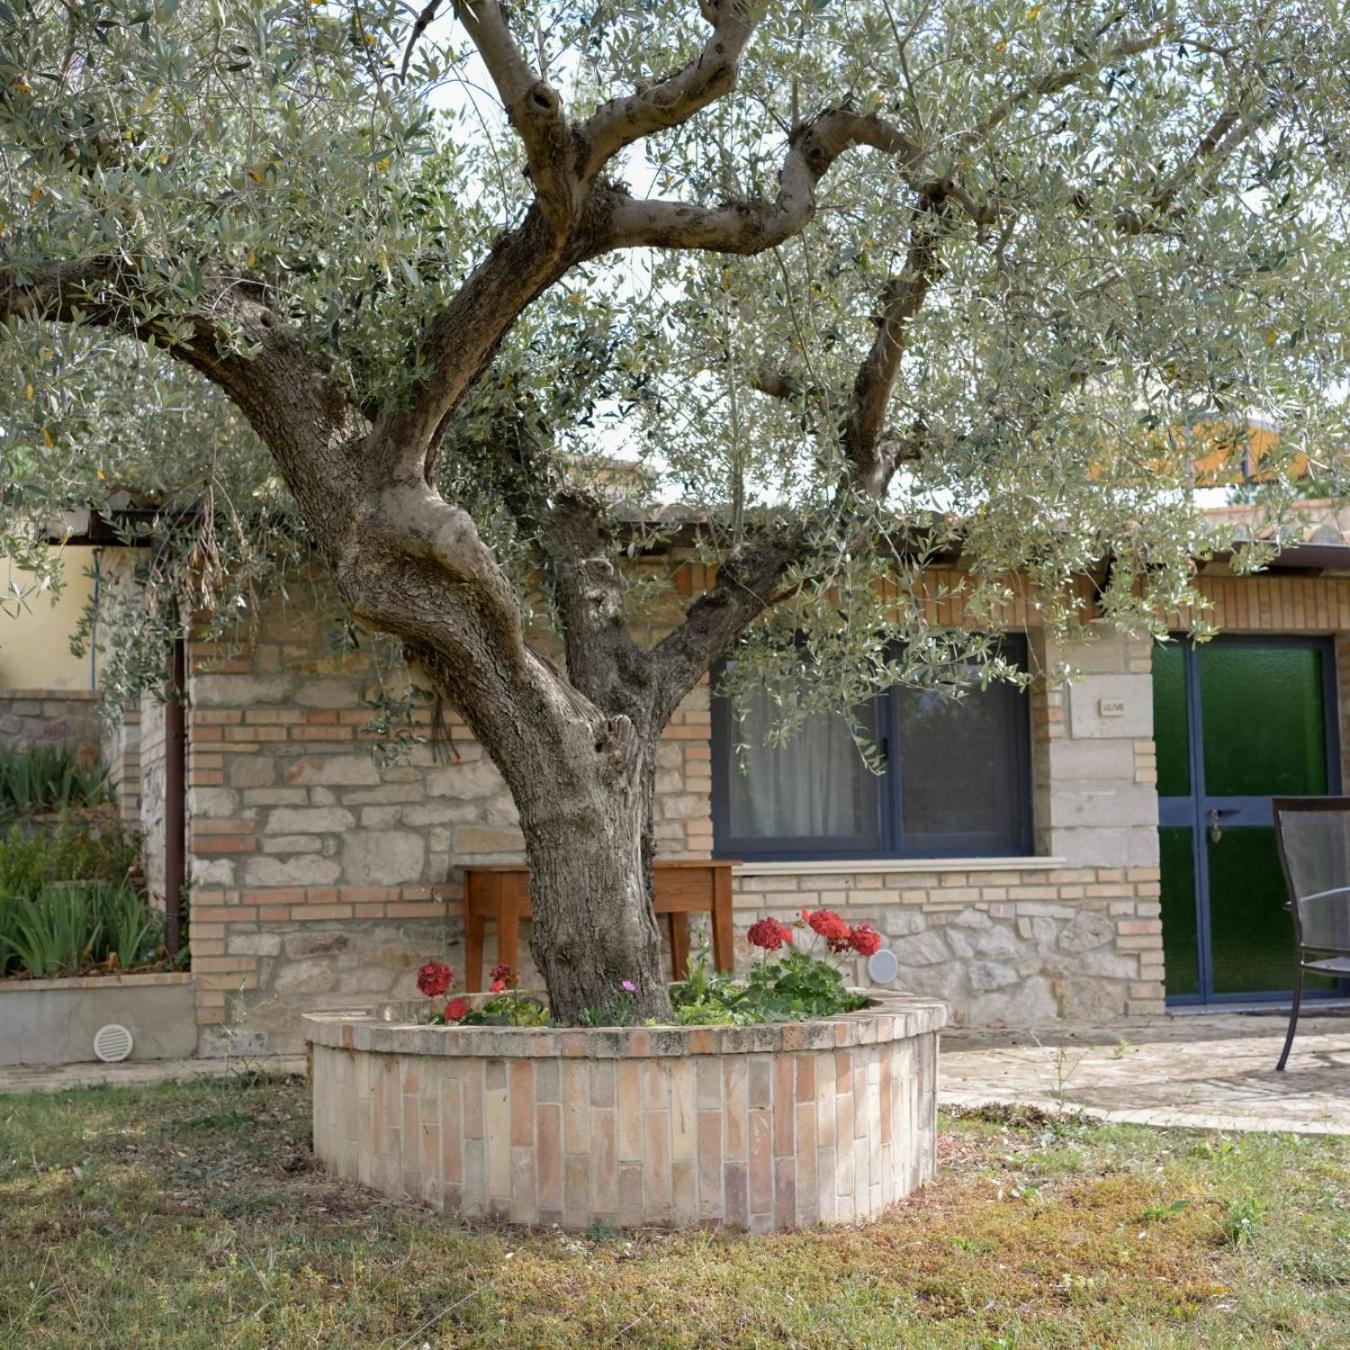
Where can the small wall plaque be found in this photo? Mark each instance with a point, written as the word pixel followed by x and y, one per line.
pixel 1111 707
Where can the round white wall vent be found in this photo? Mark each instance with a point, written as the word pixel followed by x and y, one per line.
pixel 112 1043
pixel 882 967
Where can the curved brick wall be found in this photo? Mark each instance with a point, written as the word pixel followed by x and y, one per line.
pixel 766 1128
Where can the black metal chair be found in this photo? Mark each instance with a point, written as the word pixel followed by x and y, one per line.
pixel 1313 834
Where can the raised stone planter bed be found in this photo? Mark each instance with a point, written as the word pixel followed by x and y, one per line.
pixel 767 1128
pixel 54 1021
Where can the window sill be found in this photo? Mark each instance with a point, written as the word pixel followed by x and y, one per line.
pixel 855 866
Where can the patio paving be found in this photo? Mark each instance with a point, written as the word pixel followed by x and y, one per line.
pixel 1201 1072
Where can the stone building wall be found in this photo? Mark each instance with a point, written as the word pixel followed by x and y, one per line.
pixel 121 751
pixel 50 717
pixel 151 756
pixel 322 877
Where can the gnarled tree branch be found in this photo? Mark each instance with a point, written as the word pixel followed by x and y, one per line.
pixel 534 108
pixel 749 227
pixel 872 460
pixel 710 75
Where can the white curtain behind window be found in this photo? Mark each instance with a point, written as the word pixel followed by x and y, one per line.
pixel 814 786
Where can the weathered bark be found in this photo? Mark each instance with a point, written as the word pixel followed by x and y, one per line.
pixel 582 782
pixel 590 862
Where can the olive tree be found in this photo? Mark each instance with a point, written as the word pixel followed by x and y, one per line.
pixel 855 281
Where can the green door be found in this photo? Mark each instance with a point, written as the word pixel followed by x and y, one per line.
pixel 1237 721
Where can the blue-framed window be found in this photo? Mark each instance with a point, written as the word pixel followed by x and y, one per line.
pixel 956 782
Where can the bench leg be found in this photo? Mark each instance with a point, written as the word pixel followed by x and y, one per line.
pixel 474 926
pixel 679 944
pixel 1293 1018
pixel 508 938
pixel 723 934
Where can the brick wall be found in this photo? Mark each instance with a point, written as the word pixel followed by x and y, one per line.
pixel 322 877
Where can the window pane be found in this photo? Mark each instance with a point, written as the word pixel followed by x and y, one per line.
pixel 961 774
pixel 814 787
pixel 1263 726
pixel 1171 719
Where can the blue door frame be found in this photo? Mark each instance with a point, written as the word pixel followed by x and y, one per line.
pixel 1234 812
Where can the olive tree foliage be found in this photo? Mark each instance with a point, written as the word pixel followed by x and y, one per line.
pixel 859 282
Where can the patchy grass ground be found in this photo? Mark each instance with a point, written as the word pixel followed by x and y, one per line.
pixel 193 1216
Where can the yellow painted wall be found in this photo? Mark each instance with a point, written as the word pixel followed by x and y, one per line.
pixel 35 642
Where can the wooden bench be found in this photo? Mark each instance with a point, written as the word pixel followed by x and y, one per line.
pixel 679 889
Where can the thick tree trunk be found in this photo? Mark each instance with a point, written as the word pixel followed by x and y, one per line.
pixel 582 782
pixel 594 931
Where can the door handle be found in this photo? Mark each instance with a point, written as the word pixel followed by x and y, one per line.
pixel 1215 829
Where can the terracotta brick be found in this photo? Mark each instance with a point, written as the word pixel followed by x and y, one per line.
pixel 521 1075
pixel 761 1161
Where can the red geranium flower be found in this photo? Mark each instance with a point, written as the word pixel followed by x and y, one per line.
pixel 769 934
pixel 501 976
pixel 496 986
pixel 865 940
pixel 457 1010
pixel 830 926
pixel 434 978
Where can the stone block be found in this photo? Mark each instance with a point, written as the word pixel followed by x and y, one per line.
pixel 212 803
pixel 304 976
pixel 299 870
pixel 441 813
pixel 1088 694
pixel 252 771
pixel 242 942
pixel 211 871
pixel 292 843
pixel 994 942
pixel 902 922
pixel 1023 1004
pixel 985 975
pixel 317 944
pixel 309 820
pixel 334 770
pixel 1114 804
pixel 463 781
pixel 239 691
pixel 328 693
pixel 1098 846
pixel 1093 1000
pixel 471 839
pixel 1086 930
pixel 383 857
pixel 1091 760
pixel 922 949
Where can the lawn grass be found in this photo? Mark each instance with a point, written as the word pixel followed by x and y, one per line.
pixel 194 1216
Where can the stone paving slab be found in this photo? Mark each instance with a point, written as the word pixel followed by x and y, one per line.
pixel 138 1073
pixel 1192 1072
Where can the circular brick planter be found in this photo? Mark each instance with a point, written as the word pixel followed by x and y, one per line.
pixel 767 1128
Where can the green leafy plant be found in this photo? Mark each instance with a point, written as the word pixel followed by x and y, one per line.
pixel 505 1008
pixel 132 933
pixel 1243 1220
pixel 85 847
pixel 64 929
pixel 40 779
pixel 797 984
pixel 509 1010
pixel 54 932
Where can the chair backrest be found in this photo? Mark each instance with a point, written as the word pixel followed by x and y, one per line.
pixel 1314 842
